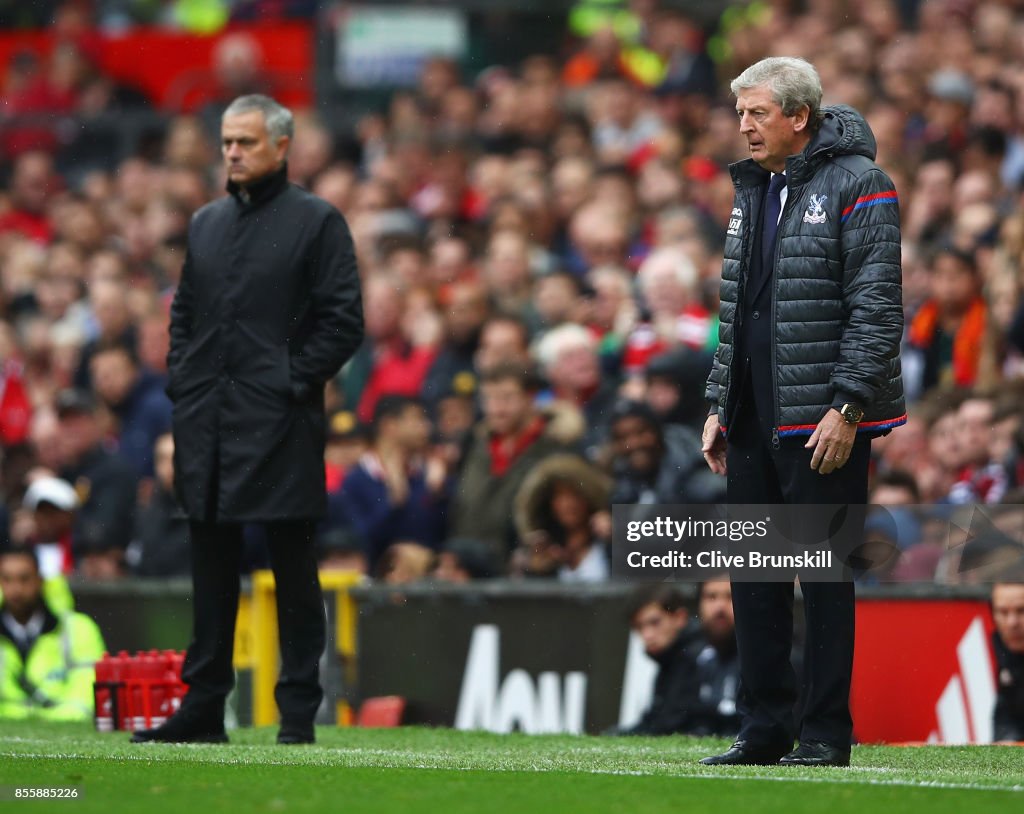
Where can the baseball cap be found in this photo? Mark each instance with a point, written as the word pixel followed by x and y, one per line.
pixel 72 401
pixel 952 86
pixel 344 424
pixel 58 493
pixel 463 384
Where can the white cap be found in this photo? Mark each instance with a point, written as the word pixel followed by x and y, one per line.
pixel 54 491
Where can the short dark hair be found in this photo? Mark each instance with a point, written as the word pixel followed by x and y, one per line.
pixel 391 243
pixel 722 576
pixel 511 319
pixel 72 401
pixel 898 479
pixel 667 597
pixel 631 408
pixel 22 551
pixel 561 274
pixel 523 374
pixel 965 257
pixel 392 406
pixel 117 346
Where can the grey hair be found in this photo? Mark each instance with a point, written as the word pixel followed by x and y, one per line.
pixel 277 117
pixel 794 82
pixel 568 336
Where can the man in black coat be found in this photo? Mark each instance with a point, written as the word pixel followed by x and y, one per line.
pixel 695 688
pixel 806 372
pixel 267 311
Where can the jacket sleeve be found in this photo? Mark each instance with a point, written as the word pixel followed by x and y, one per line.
pixel 712 389
pixel 71 698
pixel 107 518
pixel 872 289
pixel 1004 726
pixel 372 514
pixel 181 324
pixel 336 313
pixel 672 709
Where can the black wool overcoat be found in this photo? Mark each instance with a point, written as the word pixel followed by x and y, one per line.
pixel 267 310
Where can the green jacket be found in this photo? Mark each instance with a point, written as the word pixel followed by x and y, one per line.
pixel 484 503
pixel 53 681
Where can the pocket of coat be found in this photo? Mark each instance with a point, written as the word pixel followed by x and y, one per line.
pixel 174 377
pixel 284 372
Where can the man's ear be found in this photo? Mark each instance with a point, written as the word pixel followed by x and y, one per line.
pixel 282 147
pixel 801 119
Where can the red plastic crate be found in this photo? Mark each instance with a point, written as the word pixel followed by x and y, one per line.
pixel 137 692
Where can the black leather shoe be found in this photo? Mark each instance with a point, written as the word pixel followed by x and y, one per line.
pixel 744 753
pixel 817 753
pixel 184 728
pixel 294 735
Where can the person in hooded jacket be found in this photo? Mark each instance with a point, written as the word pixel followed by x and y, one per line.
pixel 807 370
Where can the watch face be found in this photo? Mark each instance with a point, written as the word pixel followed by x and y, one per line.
pixel 852 414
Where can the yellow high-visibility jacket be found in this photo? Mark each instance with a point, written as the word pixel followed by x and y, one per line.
pixel 54 681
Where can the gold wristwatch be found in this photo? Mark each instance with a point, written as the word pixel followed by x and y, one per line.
pixel 851 413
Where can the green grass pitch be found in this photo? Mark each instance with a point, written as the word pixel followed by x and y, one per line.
pixel 427 770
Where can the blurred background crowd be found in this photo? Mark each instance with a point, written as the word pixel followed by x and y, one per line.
pixel 539 242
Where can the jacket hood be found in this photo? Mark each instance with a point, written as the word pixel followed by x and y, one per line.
pixel 532 512
pixel 842 131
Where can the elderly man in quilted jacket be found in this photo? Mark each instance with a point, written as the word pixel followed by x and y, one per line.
pixel 806 372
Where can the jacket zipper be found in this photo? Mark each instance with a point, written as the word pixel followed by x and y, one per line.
pixel 775 292
pixel 741 283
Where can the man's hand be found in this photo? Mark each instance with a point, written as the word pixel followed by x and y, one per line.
pixel 436 472
pixel 832 441
pixel 713 445
pixel 395 478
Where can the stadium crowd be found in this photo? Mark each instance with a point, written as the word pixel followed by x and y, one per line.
pixel 540 249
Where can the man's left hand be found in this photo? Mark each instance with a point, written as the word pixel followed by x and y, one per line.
pixel 832 441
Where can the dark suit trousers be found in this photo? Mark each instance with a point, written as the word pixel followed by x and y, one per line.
pixel 764 611
pixel 208 670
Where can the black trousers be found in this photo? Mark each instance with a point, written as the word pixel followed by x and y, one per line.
pixel 208 670
pixel 768 691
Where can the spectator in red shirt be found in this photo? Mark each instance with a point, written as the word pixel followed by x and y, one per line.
pixel 402 354
pixel 32 183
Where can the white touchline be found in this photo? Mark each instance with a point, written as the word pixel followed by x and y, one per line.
pixel 405 760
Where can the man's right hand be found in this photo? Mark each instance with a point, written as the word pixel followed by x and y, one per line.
pixel 714 445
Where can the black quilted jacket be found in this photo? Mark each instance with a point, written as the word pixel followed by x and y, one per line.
pixel 837 307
